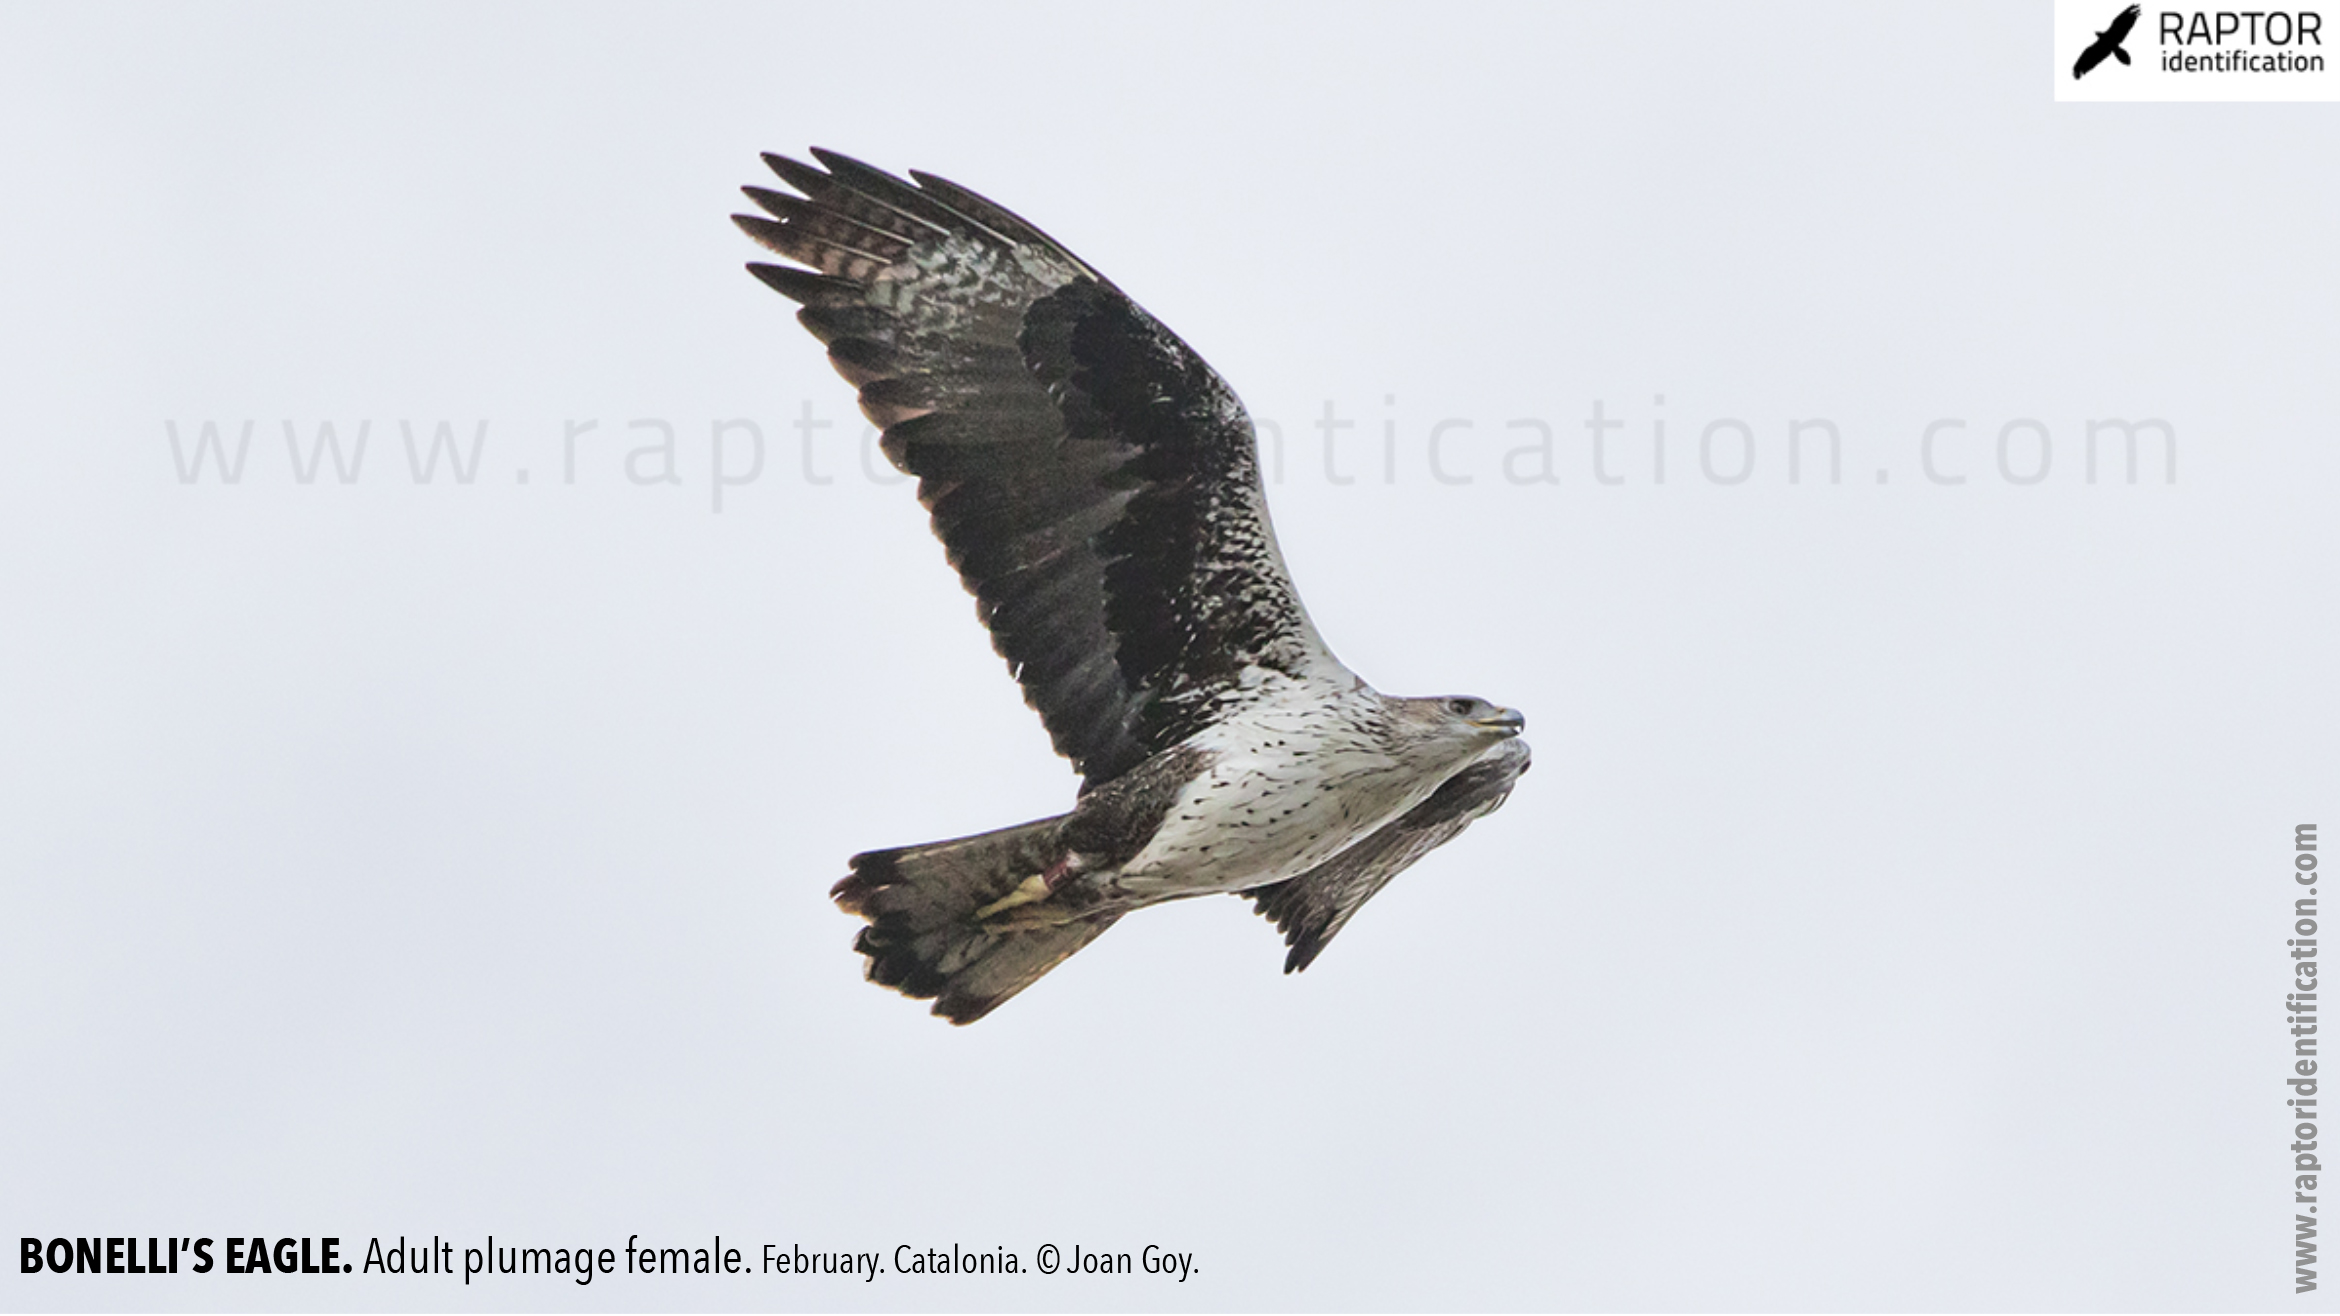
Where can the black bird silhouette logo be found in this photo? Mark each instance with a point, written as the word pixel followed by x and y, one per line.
pixel 2108 42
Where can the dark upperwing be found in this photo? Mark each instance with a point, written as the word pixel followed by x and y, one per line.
pixel 1095 483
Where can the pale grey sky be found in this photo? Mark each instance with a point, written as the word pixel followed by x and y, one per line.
pixel 1895 916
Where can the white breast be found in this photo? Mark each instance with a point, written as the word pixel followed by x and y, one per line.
pixel 1296 777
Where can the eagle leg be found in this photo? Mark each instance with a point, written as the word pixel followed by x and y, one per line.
pixel 1037 887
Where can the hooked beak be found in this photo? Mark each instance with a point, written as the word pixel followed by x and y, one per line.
pixel 1508 720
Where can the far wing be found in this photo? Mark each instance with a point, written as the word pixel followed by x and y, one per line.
pixel 2119 31
pixel 1311 908
pixel 1095 483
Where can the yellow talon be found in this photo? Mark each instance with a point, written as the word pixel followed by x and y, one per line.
pixel 1032 888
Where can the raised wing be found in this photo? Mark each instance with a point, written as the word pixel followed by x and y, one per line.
pixel 1094 482
pixel 1311 908
pixel 2121 24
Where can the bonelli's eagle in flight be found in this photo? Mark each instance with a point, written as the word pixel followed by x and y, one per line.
pixel 1097 487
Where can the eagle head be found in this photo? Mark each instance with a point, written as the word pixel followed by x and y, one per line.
pixel 1460 720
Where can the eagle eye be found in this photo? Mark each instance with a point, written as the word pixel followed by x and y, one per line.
pixel 1459 707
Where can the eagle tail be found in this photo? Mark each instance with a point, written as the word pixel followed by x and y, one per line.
pixel 936 930
pixel 2121 55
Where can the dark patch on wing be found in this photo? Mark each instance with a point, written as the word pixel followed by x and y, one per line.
pixel 1311 908
pixel 1093 481
pixel 1195 586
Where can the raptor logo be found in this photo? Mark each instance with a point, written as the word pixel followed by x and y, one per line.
pixel 2108 42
